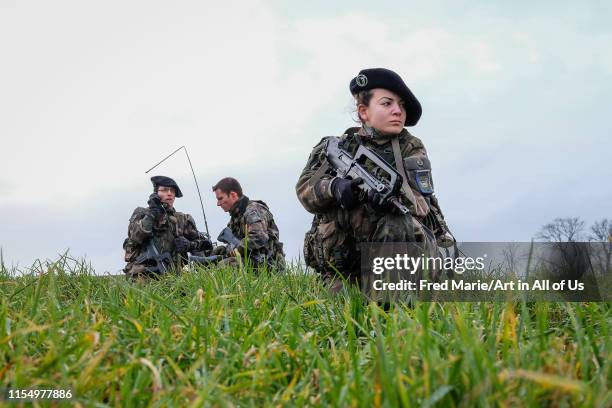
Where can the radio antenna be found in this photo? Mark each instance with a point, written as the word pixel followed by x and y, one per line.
pixel 194 179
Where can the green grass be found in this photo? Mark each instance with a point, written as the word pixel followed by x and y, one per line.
pixel 229 338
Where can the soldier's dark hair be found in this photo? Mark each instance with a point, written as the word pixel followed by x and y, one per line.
pixel 227 185
pixel 362 97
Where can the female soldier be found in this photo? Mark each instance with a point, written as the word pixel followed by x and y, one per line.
pixel 344 217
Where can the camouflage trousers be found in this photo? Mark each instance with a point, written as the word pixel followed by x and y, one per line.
pixel 138 273
pixel 332 247
pixel 236 260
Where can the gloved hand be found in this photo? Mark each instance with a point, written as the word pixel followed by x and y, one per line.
pixel 343 191
pixel 205 243
pixel 220 250
pixel 374 201
pixel 182 244
pixel 155 206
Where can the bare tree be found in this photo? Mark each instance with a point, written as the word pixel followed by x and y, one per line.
pixel 511 256
pixel 601 231
pixel 567 229
pixel 567 257
pixel 601 236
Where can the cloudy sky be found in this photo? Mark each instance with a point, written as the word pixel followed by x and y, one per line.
pixel 516 102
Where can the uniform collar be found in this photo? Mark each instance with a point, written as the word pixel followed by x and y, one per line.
pixel 372 135
pixel 239 206
pixel 169 210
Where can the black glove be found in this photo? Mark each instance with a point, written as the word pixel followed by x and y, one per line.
pixel 342 189
pixel 155 206
pixel 205 243
pixel 182 244
pixel 375 202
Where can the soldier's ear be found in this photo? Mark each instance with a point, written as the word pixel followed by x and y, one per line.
pixel 362 112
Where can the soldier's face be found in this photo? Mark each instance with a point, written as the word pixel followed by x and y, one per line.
pixel 385 113
pixel 226 201
pixel 166 195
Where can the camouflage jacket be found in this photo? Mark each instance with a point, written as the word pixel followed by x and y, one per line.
pixel 314 186
pixel 172 225
pixel 252 222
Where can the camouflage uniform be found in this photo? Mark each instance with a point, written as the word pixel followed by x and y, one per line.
pixel 171 225
pixel 332 242
pixel 253 224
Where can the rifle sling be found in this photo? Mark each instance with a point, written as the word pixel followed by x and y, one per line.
pixel 399 166
pixel 319 173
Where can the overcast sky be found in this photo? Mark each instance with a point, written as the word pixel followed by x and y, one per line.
pixel 516 110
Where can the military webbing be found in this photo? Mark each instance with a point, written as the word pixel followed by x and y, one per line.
pixel 399 166
pixel 319 173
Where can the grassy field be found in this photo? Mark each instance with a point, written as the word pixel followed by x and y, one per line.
pixel 229 338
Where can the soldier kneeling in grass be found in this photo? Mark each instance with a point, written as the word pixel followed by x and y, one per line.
pixel 159 237
pixel 252 225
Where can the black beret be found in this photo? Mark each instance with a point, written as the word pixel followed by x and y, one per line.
pixel 372 78
pixel 166 182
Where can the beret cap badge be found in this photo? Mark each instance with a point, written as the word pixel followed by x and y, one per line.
pixel 361 80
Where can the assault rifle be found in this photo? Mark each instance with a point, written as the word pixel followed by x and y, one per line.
pixel 227 237
pixel 153 261
pixel 386 181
